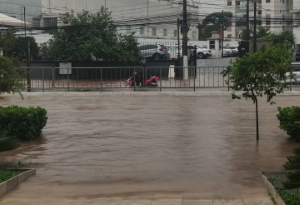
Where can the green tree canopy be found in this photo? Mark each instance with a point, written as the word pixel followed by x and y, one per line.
pixel 283 38
pixel 260 73
pixel 89 35
pixel 218 19
pixel 260 33
pixel 18 48
pixel 10 75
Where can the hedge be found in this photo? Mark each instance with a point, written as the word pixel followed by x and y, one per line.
pixel 289 119
pixel 23 123
pixel 7 142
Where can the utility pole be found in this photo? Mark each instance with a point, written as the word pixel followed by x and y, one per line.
pixel 184 41
pixel 248 26
pixel 255 23
pixel 105 5
pixel 178 35
pixel 148 18
pixel 222 37
pixel 28 54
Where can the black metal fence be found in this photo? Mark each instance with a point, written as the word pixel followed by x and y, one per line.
pixel 103 79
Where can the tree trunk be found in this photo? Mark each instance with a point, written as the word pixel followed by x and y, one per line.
pixel 257 131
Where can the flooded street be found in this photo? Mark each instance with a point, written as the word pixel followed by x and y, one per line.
pixel 126 145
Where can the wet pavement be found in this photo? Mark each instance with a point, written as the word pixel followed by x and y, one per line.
pixel 149 148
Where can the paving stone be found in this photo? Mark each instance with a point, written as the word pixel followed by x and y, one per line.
pixel 108 201
pixel 167 202
pixel 75 202
pixel 263 201
pixel 136 202
pixel 227 202
pixel 197 202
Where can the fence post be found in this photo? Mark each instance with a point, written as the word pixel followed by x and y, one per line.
pixel 101 80
pixel 195 78
pixel 68 80
pixel 134 79
pixel 43 79
pixel 160 77
pixel 53 77
pixel 228 83
pixel 290 82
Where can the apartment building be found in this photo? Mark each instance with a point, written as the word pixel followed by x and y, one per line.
pixel 296 22
pixel 273 14
pixel 146 18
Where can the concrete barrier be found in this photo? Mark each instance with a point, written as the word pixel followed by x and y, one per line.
pixel 272 190
pixel 13 182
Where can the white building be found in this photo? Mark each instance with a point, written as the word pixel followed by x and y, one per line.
pixel 146 18
pixel 296 23
pixel 272 14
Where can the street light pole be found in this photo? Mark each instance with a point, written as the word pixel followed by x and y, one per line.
pixel 248 26
pixel 184 41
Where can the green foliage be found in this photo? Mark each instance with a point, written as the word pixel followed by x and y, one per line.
pixel 6 38
pixel 18 48
pixel 218 19
pixel 6 175
pixel 10 76
pixel 203 36
pixel 260 33
pixel 285 37
pixel 91 35
pixel 289 119
pixel 23 123
pixel 7 142
pixel 289 199
pixel 260 73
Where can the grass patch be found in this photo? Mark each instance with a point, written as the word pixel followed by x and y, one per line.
pixel 6 175
pixel 290 197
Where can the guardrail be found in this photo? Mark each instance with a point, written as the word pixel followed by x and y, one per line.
pixel 103 79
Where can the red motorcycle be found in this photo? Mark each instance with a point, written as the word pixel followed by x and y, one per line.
pixel 149 82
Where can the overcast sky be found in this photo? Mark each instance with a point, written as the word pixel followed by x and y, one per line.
pixel 210 6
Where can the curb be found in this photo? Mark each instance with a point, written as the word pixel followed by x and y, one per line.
pixel 179 93
pixel 13 182
pixel 271 189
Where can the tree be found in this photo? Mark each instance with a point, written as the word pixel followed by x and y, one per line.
pixel 10 76
pixel 206 33
pixel 260 73
pixel 218 19
pixel 89 35
pixel 285 37
pixel 6 39
pixel 18 48
pixel 260 33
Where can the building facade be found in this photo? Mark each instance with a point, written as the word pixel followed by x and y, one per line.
pixel 272 14
pixel 145 18
pixel 296 23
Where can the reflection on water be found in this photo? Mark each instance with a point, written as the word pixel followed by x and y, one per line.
pixel 147 144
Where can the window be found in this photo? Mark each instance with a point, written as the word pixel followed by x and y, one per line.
pixel 238 3
pixel 194 34
pixel 212 45
pixel 175 33
pixel 268 23
pixel 165 32
pixel 268 11
pixel 229 36
pixel 268 1
pixel 142 31
pixel 128 29
pixel 229 3
pixel 259 12
pixel 153 31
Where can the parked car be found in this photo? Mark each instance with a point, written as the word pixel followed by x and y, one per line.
pixel 227 52
pixel 235 51
pixel 202 53
pixel 154 51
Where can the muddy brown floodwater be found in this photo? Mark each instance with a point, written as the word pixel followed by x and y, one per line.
pixel 97 146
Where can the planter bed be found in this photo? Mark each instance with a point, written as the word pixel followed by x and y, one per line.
pixel 12 177
pixel 281 196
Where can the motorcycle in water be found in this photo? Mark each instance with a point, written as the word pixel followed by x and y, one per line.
pixel 149 82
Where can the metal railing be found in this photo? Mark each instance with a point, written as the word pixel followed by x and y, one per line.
pixel 102 79
pixel 114 78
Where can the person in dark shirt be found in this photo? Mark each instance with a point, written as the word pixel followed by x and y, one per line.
pixel 298 56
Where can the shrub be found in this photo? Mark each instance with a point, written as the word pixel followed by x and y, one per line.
pixel 6 175
pixel 289 118
pixel 7 142
pixel 23 123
